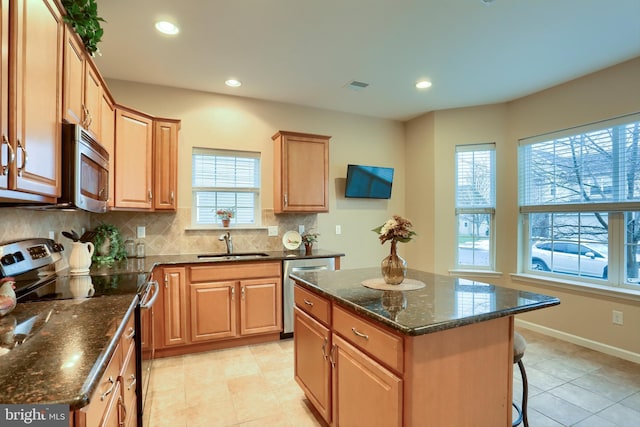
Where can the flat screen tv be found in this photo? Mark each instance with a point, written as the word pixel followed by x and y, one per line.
pixel 371 182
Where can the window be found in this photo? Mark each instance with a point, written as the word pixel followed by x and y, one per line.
pixel 475 205
pixel 580 202
pixel 224 179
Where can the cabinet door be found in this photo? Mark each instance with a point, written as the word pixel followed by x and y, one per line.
pixel 302 173
pixel 92 99
pixel 174 306
pixel 39 34
pixel 311 344
pixel 213 311
pixel 72 101
pixel 260 306
pixel 165 149
pixel 107 139
pixel 5 150
pixel 133 167
pixel 364 392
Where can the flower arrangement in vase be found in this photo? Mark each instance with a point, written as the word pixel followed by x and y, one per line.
pixel 308 238
pixel 225 215
pixel 396 229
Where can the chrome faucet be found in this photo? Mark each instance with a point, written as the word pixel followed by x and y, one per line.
pixel 227 241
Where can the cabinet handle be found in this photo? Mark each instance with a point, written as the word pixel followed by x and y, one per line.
pixel 359 334
pixel 150 195
pixel 331 353
pixel 233 293
pixel 132 333
pixel 121 405
pixel 24 158
pixel 309 303
pixel 242 292
pixel 173 197
pixel 132 382
pixel 324 348
pixel 166 281
pixel 286 200
pixel 108 392
pixel 12 155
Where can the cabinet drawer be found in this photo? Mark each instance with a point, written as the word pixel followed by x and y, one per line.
pixel 234 271
pixel 105 391
pixel 314 305
pixel 127 340
pixel 130 383
pixel 380 344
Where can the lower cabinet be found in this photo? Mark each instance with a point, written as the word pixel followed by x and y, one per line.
pixel 113 403
pixel 341 372
pixel 207 303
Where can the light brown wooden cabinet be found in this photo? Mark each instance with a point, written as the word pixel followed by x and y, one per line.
pixel 32 47
pixel 172 314
pixel 113 403
pixel 213 306
pixel 165 163
pixel 83 86
pixel 133 160
pixel 340 375
pixel 301 172
pixel 108 139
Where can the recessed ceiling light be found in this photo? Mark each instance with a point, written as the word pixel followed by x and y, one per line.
pixel 423 84
pixel 166 27
pixel 233 83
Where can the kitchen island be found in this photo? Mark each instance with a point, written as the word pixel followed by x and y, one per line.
pixel 441 355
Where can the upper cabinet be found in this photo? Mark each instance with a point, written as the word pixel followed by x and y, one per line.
pixel 83 86
pixel 32 51
pixel 133 160
pixel 108 138
pixel 165 163
pixel 301 172
pixel 145 161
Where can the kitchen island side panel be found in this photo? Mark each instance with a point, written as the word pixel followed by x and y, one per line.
pixel 461 376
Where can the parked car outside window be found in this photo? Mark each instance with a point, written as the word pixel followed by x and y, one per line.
pixel 584 259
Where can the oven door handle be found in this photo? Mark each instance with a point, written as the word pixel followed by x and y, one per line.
pixel 156 290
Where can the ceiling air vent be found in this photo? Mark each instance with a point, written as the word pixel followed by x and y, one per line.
pixel 356 85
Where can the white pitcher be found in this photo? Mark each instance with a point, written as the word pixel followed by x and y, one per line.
pixel 80 258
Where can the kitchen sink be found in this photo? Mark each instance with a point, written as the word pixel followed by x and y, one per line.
pixel 238 255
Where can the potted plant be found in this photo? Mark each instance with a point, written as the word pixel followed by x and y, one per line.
pixel 225 215
pixel 309 238
pixel 82 15
pixel 109 246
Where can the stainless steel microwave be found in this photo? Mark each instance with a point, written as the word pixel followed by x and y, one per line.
pixel 85 171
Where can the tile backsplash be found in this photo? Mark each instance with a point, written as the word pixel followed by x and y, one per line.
pixel 166 233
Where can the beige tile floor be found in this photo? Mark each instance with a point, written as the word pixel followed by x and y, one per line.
pixel 253 386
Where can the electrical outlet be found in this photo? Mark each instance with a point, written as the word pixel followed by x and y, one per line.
pixel 617 318
pixel 141 232
pixel 52 235
pixel 272 230
pixel 301 228
pixel 338 229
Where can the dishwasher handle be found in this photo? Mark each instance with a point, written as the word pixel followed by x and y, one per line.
pixel 310 268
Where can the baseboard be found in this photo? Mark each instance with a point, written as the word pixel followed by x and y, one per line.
pixel 574 339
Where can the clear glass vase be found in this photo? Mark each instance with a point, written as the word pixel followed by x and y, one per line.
pixel 393 267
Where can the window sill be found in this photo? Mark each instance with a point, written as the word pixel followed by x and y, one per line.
pixel 231 227
pixel 481 273
pixel 586 287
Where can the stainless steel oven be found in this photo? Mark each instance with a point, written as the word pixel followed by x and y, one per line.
pixel 145 346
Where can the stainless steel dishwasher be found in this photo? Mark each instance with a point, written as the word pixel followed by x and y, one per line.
pixel 297 265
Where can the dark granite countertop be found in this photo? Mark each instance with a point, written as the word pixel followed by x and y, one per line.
pixel 147 264
pixel 66 351
pixel 445 302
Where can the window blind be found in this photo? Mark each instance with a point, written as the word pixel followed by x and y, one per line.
pixel 475 172
pixel 590 168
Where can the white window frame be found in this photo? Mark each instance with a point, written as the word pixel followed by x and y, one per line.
pixel 487 208
pixel 236 222
pixel 615 210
